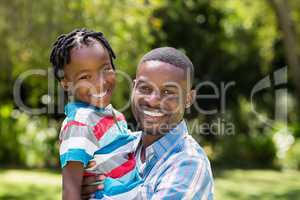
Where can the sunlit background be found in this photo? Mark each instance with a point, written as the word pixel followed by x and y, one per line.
pixel 253 143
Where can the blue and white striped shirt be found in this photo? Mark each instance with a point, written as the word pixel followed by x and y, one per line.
pixel 176 168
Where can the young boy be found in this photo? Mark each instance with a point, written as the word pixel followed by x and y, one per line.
pixel 92 129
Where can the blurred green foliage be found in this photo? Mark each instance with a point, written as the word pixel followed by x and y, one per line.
pixel 292 159
pixel 234 41
pixel 228 41
pixel 29 29
pixel 247 152
pixel 27 141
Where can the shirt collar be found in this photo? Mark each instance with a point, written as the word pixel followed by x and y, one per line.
pixel 72 107
pixel 161 146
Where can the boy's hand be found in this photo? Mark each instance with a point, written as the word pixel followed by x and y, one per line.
pixel 90 184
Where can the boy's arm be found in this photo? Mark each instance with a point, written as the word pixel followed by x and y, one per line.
pixel 77 147
pixel 72 180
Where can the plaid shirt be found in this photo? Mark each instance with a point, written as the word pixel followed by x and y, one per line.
pixel 176 168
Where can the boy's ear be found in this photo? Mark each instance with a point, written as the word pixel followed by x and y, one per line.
pixel 64 84
pixel 190 98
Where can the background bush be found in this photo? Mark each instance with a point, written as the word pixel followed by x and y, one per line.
pixel 228 41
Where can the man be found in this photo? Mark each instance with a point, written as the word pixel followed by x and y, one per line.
pixel 172 164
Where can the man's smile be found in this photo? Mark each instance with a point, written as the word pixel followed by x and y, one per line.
pixel 153 113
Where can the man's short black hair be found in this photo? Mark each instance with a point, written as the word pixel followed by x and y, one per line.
pixel 60 54
pixel 171 56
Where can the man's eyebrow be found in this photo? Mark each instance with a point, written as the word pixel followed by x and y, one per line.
pixel 140 81
pixel 171 85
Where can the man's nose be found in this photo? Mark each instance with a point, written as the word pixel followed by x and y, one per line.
pixel 154 99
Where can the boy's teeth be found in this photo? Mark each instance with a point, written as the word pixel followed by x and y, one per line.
pixel 100 95
pixel 153 114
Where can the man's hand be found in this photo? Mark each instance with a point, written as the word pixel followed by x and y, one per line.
pixel 90 184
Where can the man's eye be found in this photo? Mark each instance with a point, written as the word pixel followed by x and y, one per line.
pixel 167 92
pixel 144 89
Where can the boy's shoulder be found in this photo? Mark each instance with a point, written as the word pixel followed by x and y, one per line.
pixel 82 117
pixel 87 116
pixel 90 115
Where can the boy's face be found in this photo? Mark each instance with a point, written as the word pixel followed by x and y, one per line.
pixel 160 96
pixel 89 76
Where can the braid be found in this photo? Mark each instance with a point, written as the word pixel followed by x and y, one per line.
pixel 60 54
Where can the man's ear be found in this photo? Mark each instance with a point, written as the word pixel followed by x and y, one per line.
pixel 134 83
pixel 190 98
pixel 64 84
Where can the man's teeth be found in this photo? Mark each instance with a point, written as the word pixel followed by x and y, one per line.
pixel 99 95
pixel 153 114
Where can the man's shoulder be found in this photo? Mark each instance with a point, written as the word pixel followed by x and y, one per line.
pixel 186 159
pixel 190 147
pixel 189 150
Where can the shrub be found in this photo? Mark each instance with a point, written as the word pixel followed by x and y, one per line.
pixel 292 159
pixel 27 141
pixel 246 151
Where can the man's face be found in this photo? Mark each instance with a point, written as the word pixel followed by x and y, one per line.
pixel 160 96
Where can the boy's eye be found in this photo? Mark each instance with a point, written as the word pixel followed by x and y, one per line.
pixel 106 68
pixel 84 77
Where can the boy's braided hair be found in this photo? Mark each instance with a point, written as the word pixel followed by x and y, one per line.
pixel 60 54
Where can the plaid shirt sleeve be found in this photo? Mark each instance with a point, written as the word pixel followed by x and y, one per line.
pixel 77 143
pixel 188 179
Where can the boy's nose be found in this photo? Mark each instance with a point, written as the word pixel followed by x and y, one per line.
pixel 99 81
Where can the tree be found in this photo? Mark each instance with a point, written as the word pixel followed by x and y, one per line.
pixel 287 28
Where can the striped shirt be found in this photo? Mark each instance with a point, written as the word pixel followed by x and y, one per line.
pixel 176 168
pixel 91 133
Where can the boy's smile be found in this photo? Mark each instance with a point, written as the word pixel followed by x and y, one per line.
pixel 89 76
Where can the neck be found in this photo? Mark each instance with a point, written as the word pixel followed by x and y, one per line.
pixel 150 139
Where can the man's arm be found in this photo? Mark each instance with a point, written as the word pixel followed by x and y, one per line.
pixel 88 186
pixel 72 180
pixel 189 178
pixel 185 179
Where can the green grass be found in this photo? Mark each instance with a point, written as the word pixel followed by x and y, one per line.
pixel 29 185
pixel 258 184
pixel 229 185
